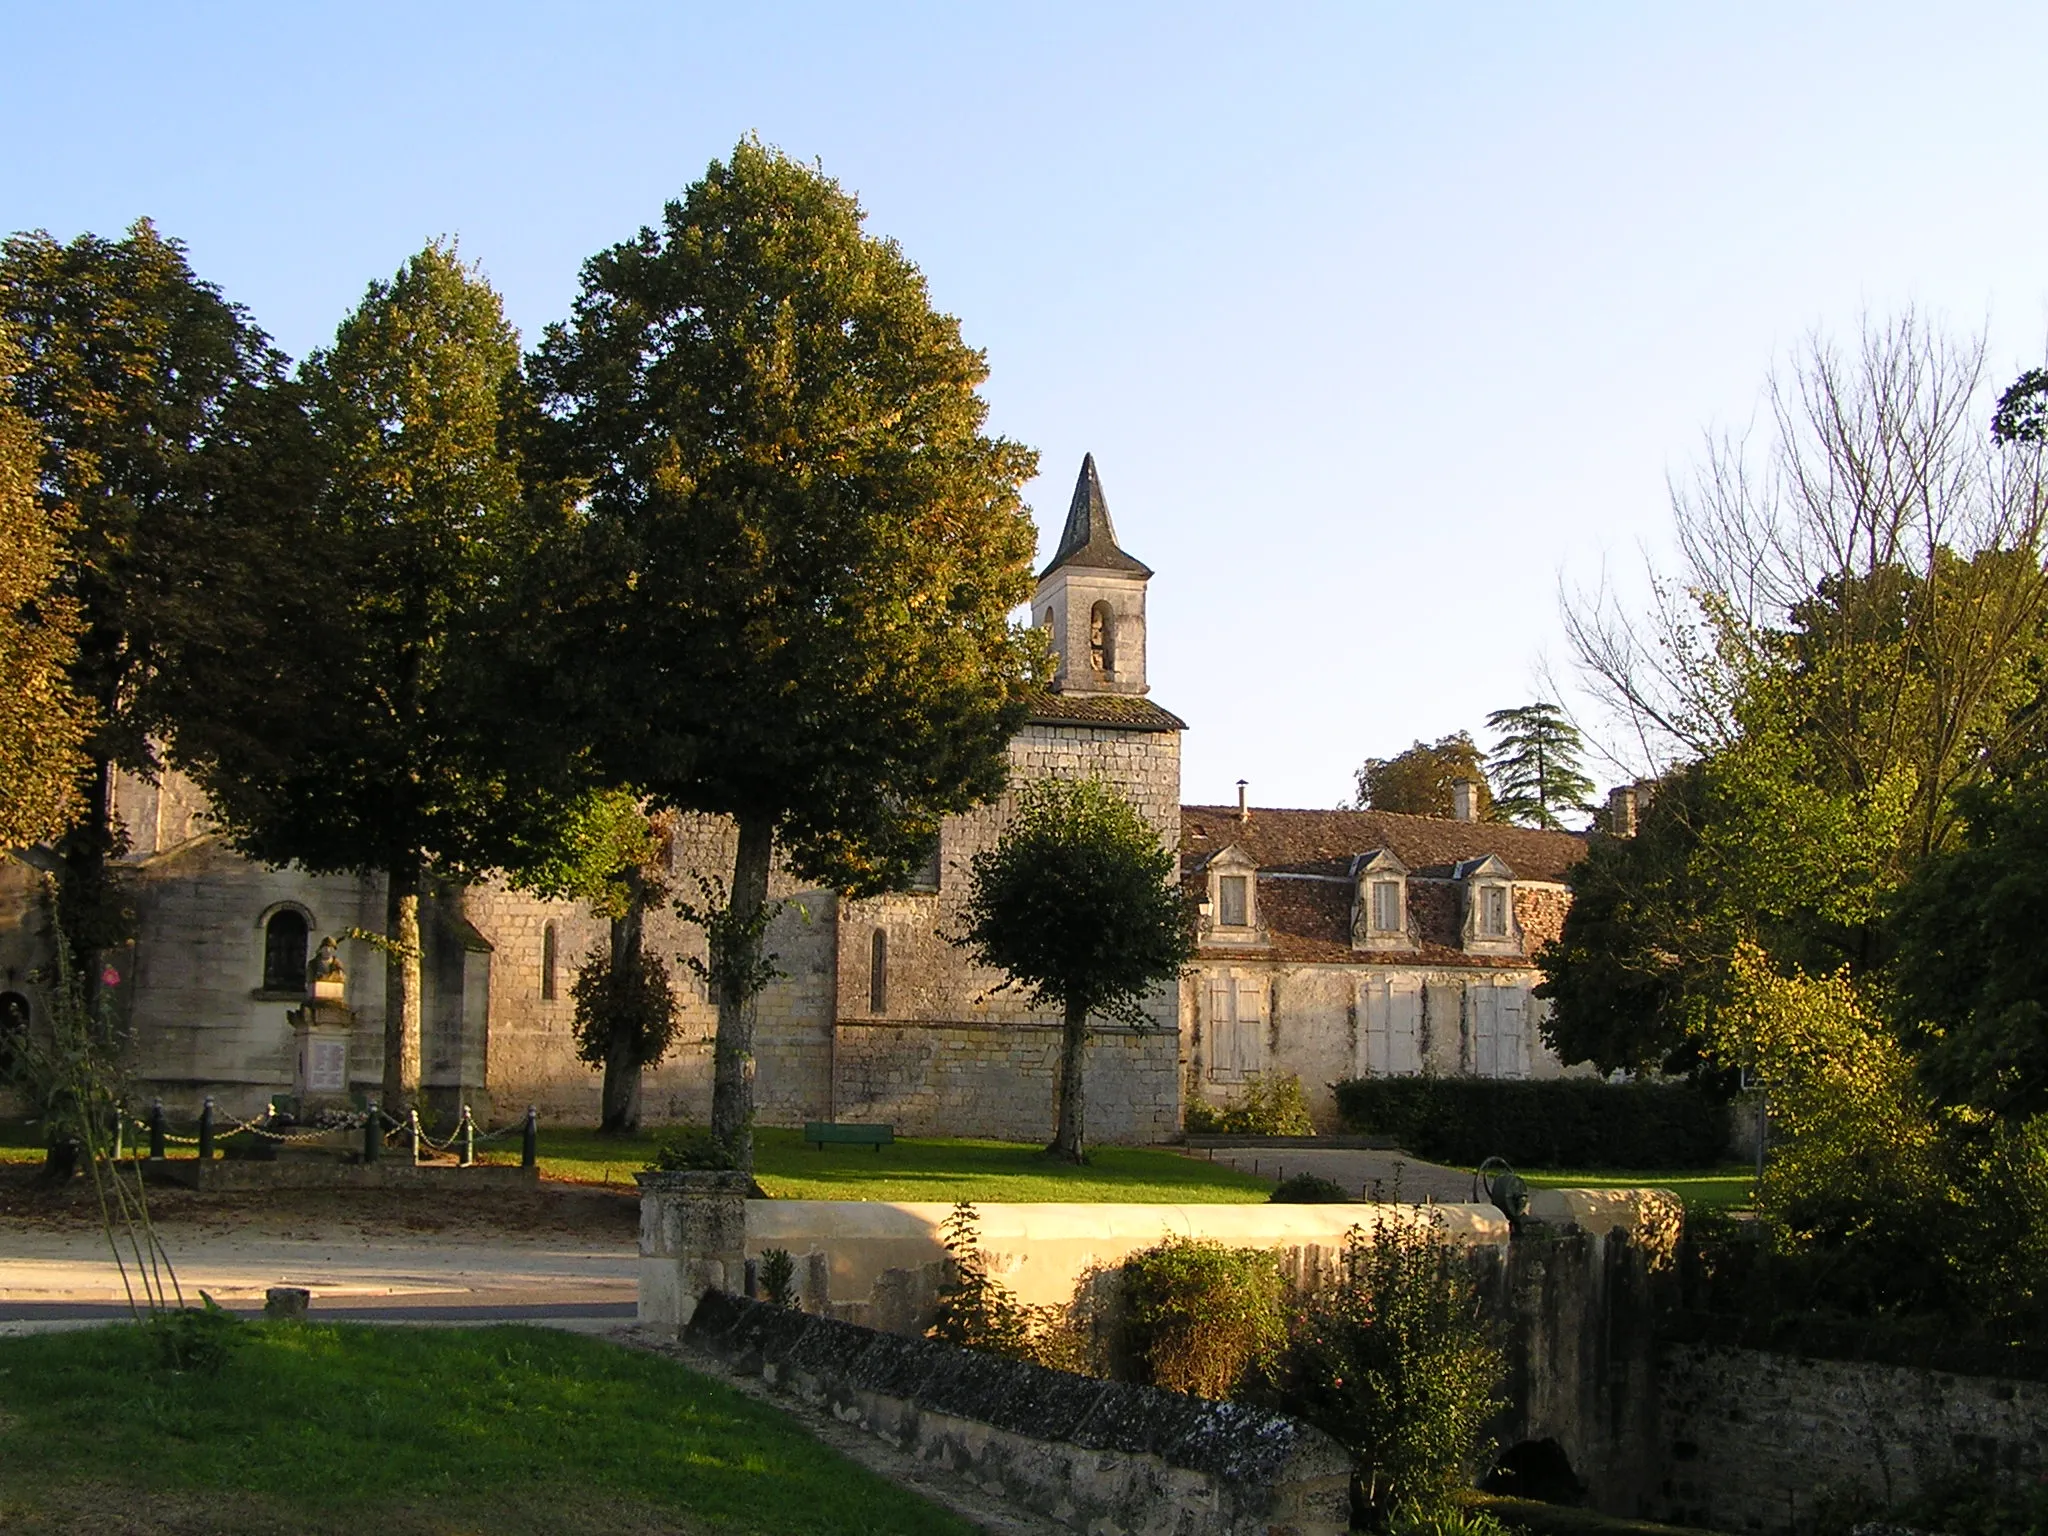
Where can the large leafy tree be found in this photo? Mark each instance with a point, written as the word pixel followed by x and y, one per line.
pixel 1536 765
pixel 1971 970
pixel 1418 782
pixel 387 745
pixel 1075 902
pixel 43 722
pixel 797 552
pixel 156 401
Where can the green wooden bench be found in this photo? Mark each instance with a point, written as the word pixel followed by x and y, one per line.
pixel 818 1132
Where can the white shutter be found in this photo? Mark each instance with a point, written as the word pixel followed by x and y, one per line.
pixel 1513 1044
pixel 1251 1024
pixel 1404 1027
pixel 1485 1031
pixel 1223 1049
pixel 1373 999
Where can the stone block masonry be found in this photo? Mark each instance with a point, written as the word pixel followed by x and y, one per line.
pixel 1764 1442
pixel 1089 1455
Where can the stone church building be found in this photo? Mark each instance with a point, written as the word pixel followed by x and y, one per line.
pixel 1307 964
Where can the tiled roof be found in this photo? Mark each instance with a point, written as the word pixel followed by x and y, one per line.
pixel 1305 892
pixel 1325 842
pixel 1088 538
pixel 1105 711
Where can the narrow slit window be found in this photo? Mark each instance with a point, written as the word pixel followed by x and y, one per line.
pixel 547 963
pixel 878 973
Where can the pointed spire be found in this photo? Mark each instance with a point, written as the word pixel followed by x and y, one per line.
pixel 1089 539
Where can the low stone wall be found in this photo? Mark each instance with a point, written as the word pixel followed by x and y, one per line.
pixel 1760 1442
pixel 881 1263
pixel 1091 1455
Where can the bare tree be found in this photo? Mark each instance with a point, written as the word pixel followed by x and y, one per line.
pixel 1876 544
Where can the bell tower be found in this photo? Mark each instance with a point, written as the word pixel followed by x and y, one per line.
pixel 1092 599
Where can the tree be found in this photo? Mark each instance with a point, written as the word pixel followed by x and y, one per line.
pixel 796 554
pixel 388 750
pixel 611 854
pixel 1418 782
pixel 1971 973
pixel 151 392
pixel 1536 763
pixel 1871 575
pixel 43 722
pixel 1075 902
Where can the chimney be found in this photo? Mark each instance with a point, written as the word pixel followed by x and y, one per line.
pixel 1244 810
pixel 1623 806
pixel 1464 800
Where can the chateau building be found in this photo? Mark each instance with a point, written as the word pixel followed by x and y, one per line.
pixel 1333 943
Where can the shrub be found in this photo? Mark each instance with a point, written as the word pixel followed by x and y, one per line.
pixel 1199 1317
pixel 1268 1107
pixel 195 1340
pixel 1393 1360
pixel 778 1277
pixel 1568 1122
pixel 976 1309
pixel 1309 1189
pixel 692 1149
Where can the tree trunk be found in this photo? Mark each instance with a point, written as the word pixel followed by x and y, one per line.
pixel 402 991
pixel 622 1047
pixel 90 916
pixel 732 1076
pixel 1069 1143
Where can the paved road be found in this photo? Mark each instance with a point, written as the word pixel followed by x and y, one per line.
pixel 66 1277
pixel 1375 1175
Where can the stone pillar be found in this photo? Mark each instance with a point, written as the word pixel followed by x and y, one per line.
pixel 693 1238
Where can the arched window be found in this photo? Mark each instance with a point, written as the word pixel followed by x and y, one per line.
pixel 13 1027
pixel 284 951
pixel 547 963
pixel 878 973
pixel 1102 639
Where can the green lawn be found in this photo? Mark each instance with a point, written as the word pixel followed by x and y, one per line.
pixel 1708 1189
pixel 415 1430
pixel 935 1169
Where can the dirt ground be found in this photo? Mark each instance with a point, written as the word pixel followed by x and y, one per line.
pixel 548 1208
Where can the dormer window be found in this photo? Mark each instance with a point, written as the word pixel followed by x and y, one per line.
pixel 1489 887
pixel 1230 915
pixel 1379 904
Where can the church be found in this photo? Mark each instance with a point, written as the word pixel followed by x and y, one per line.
pixel 1333 944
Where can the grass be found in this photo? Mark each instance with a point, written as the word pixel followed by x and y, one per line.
pixel 1710 1189
pixel 355 1429
pixel 21 1141
pixel 934 1169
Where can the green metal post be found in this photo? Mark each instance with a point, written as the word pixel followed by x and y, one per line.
pixel 529 1139
pixel 206 1130
pixel 412 1128
pixel 156 1131
pixel 468 1139
pixel 373 1133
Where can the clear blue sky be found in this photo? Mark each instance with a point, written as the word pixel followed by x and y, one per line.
pixel 1377 319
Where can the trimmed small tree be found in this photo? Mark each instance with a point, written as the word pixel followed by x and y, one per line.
pixel 1076 904
pixel 1418 782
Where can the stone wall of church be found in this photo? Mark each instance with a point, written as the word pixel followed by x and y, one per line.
pixel 533 1050
pixel 941 1046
